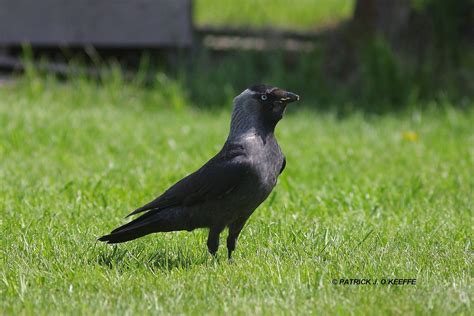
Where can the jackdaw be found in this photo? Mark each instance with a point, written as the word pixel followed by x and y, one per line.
pixel 229 187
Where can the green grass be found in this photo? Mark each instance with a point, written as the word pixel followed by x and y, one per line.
pixel 301 14
pixel 362 196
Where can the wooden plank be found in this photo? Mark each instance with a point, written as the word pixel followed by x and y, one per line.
pixel 228 38
pixel 120 23
pixel 268 33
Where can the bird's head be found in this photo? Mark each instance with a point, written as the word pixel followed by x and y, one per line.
pixel 261 107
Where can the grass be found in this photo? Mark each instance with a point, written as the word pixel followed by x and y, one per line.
pixel 362 196
pixel 302 14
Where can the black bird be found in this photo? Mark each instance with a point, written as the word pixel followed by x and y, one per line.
pixel 229 187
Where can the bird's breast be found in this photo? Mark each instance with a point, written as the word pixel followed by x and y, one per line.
pixel 267 165
pixel 266 160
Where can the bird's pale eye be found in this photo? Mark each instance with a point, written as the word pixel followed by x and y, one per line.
pixel 263 97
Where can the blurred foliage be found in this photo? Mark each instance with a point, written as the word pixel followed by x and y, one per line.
pixel 382 78
pixel 450 23
pixel 379 80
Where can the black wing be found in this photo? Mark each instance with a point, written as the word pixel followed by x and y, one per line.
pixel 218 177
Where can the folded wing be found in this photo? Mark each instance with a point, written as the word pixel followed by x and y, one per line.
pixel 214 180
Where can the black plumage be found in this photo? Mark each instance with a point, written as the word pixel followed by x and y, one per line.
pixel 229 187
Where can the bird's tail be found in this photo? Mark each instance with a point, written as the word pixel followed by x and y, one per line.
pixel 151 222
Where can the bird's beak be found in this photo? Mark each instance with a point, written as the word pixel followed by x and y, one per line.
pixel 290 97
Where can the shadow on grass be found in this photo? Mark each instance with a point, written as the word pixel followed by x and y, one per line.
pixel 161 260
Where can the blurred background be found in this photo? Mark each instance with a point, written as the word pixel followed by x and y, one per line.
pixel 375 55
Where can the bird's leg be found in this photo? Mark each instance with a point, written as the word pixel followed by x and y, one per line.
pixel 234 230
pixel 213 240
